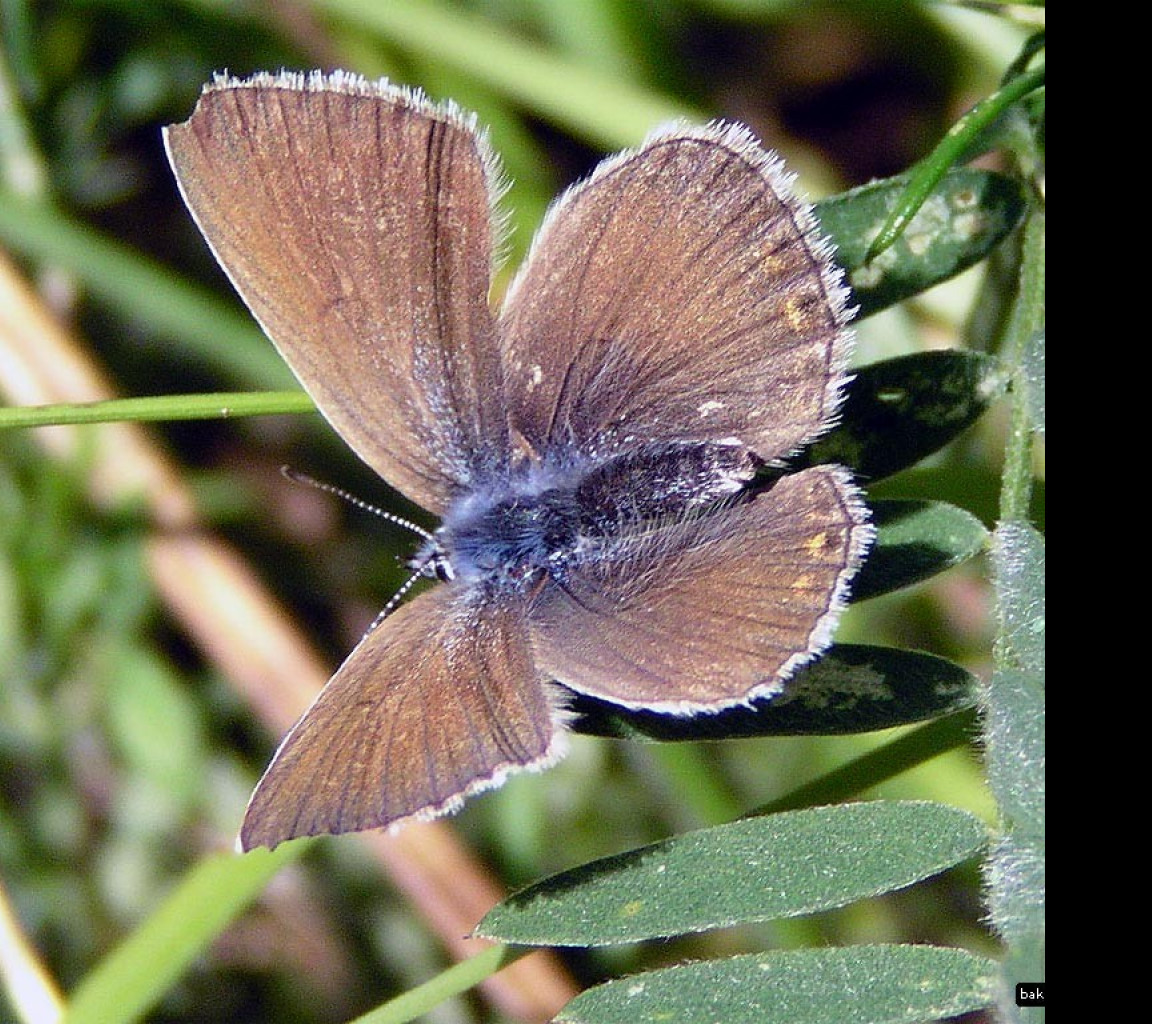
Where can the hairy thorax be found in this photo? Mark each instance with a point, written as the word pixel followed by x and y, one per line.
pixel 545 518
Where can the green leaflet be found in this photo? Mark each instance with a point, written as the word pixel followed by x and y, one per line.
pixel 756 869
pixel 863 984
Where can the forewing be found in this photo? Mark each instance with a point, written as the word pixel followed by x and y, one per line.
pixel 354 220
pixel 441 700
pixel 704 614
pixel 682 292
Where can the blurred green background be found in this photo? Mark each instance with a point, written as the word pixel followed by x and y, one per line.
pixel 123 756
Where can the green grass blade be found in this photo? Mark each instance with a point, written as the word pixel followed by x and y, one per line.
pixel 448 983
pixel 219 333
pixel 878 766
pixel 961 138
pixel 962 218
pixel 603 109
pixel 127 983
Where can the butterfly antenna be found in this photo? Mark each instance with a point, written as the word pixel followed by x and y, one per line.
pixel 395 599
pixel 419 569
pixel 360 503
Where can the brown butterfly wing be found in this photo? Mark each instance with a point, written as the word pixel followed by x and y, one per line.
pixel 354 220
pixel 680 293
pixel 707 613
pixel 441 700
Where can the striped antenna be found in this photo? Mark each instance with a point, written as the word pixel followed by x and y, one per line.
pixel 420 567
pixel 303 478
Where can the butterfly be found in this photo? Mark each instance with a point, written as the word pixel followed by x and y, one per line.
pixel 603 452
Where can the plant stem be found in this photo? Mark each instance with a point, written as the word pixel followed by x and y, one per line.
pixel 1027 318
pixel 163 408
